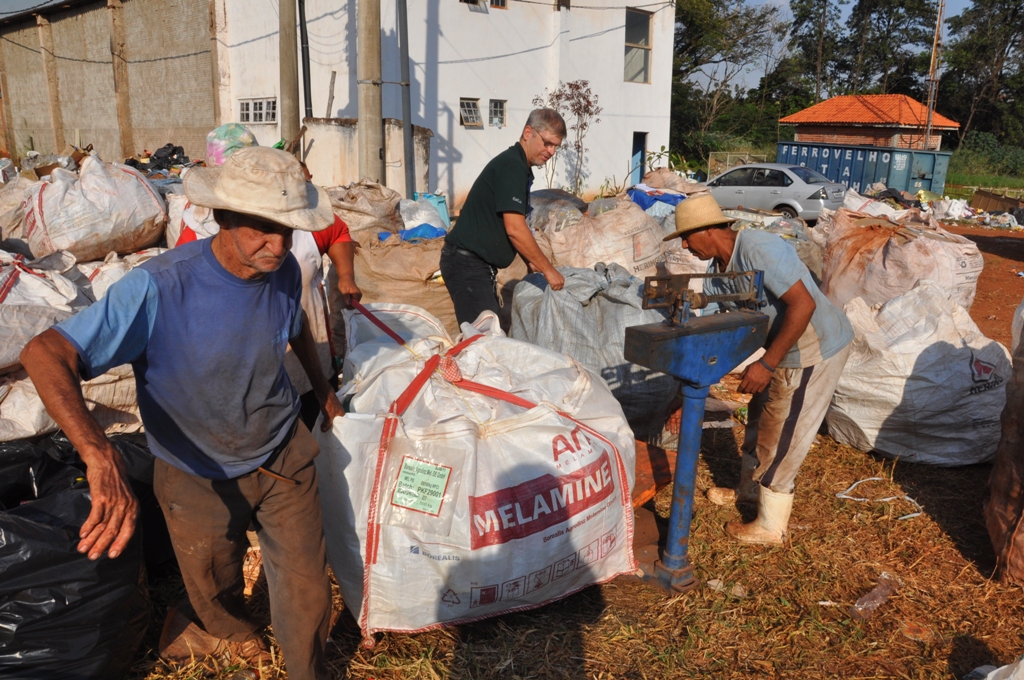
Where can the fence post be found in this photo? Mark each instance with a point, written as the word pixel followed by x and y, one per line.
pixel 52 82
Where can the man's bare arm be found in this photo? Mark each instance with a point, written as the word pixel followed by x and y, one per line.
pixel 52 363
pixel 526 245
pixel 800 308
pixel 342 256
pixel 304 347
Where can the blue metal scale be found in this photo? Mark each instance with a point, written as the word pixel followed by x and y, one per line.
pixel 700 351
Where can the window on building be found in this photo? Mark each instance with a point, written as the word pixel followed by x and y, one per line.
pixel 261 110
pixel 469 113
pixel 499 4
pixel 496 113
pixel 563 4
pixel 638 46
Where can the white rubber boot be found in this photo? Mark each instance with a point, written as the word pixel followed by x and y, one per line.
pixel 745 494
pixel 769 528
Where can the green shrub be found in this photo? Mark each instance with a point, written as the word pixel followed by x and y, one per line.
pixel 982 154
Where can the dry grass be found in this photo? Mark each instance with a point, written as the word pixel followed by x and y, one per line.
pixel 794 622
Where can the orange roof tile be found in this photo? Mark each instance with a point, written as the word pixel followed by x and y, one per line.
pixel 870 109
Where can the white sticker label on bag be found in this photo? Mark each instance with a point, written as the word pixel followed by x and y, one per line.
pixel 421 486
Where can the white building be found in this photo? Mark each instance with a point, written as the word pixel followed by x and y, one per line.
pixel 475 71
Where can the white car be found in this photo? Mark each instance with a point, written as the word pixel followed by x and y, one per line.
pixel 793 190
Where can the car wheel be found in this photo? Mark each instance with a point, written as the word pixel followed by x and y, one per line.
pixel 786 210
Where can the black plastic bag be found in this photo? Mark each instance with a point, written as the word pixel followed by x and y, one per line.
pixel 63 615
pixel 138 459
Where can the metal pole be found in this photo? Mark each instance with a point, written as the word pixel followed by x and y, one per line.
pixel 674 570
pixel 304 36
pixel 371 124
pixel 933 83
pixel 407 129
pixel 289 65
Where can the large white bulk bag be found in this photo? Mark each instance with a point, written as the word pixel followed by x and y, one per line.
pixel 111 399
pixel 922 382
pixel 105 207
pixel 623 234
pixel 470 481
pixel 33 296
pixel 367 205
pixel 587 321
pixel 854 202
pixel 12 210
pixel 877 260
pixel 97 277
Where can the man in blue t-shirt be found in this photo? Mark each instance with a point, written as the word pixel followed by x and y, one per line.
pixel 205 328
pixel 805 352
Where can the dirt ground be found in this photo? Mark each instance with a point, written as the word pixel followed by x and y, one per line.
pixel 780 612
pixel 1000 289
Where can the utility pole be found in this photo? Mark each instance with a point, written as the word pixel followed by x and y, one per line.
pixel 403 51
pixel 288 109
pixel 368 78
pixel 307 90
pixel 933 81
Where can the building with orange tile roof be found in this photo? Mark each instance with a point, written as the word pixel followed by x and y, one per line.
pixel 890 120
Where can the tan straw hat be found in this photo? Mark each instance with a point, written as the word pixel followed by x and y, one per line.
pixel 263 182
pixel 697 213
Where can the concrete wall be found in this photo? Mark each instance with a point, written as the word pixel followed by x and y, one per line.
pixel 179 76
pixel 170 77
pixel 461 50
pixel 85 74
pixel 171 84
pixel 26 90
pixel 332 152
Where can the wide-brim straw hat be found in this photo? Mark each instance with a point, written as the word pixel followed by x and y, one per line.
pixel 263 182
pixel 697 213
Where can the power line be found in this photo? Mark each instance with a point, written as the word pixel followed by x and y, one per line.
pixel 28 9
pixel 659 5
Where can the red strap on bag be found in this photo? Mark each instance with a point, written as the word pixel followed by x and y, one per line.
pixel 378 323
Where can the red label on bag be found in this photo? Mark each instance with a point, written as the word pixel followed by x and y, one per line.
pixel 531 507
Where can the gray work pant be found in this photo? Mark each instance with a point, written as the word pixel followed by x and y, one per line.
pixel 783 419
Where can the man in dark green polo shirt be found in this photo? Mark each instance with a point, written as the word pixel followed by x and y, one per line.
pixel 492 228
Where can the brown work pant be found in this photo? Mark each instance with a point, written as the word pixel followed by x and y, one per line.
pixel 207 520
pixel 783 419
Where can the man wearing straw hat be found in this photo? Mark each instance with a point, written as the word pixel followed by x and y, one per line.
pixel 807 346
pixel 205 327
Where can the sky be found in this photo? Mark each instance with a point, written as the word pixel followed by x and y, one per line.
pixel 953 7
pixel 753 77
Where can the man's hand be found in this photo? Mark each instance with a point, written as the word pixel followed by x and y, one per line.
pixel 111 521
pixel 349 291
pixel 331 409
pixel 555 280
pixel 342 255
pixel 755 378
pixel 52 364
pixel 524 243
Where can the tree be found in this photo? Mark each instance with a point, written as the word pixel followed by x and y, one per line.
pixel 983 85
pixel 888 45
pixel 578 104
pixel 715 42
pixel 816 37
